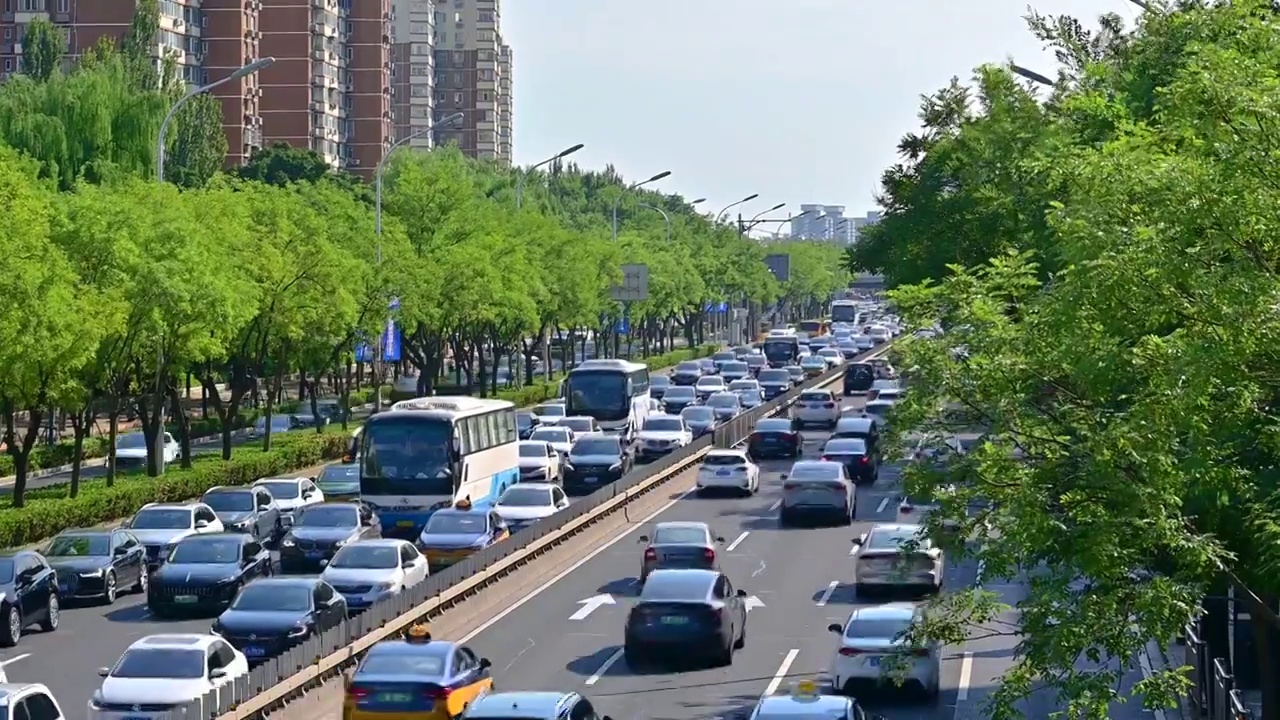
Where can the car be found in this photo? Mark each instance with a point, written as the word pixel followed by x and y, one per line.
pixel 742 351
pixel 914 509
pixel 859 427
pixel 580 425
pixel 861 464
pixel 28 701
pixel 332 411
pixel 271 615
pixel 814 365
pixel 539 462
pixel 755 363
pixel 726 405
pixel 559 438
pixel 677 398
pixel 548 413
pixel 728 469
pixel 367 571
pixel 250 510
pixel 709 385
pixel 805 701
pixel 880 410
pixel 750 398
pixel 307 420
pixel 532 705
pixel 708 366
pixel 454 534
pixel 849 349
pixel 796 373
pixel 891 395
pixel 864 342
pixel 859 378
pixel 28 595
pixel 596 460
pixel 879 334
pixel 833 356
pixel 292 495
pixel 131 450
pixel 526 422
pixel 679 544
pixel 895 558
pixel 277 423
pixel 96 564
pixel 658 385
pixel 524 504
pixel 775 382
pixel 319 531
pixel 817 488
pixel 204 572
pixel 686 613
pixel 873 650
pixel 775 437
pixel 817 407
pixel 724 356
pixel 340 481
pixel 417 676
pixel 687 373
pixel 661 435
pixel 700 420
pixel 166 671
pixel 735 370
pixel 880 385
pixel 159 526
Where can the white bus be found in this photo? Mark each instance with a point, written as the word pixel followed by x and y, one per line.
pixel 844 312
pixel 614 392
pixel 433 452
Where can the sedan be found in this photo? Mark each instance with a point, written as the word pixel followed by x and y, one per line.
pixel 340 481
pixel 270 616
pixel 596 460
pixel 726 405
pixel 678 398
pixel 560 439
pixel 832 356
pixel 204 572
pixel 857 459
pixel 525 423
pixel 897 557
pixel 549 413
pixel 817 488
pixel 687 373
pixel 367 571
pixel 775 382
pixel 526 503
pixel 319 531
pixel 539 462
pixel 580 425
pixel 796 372
pixel 679 545
pixel 28 595
pixel 735 370
pixel 708 386
pixel 873 650
pixel 728 469
pixel 814 365
pixel 658 385
pixel 775 437
pixel 95 564
pixel 684 613
pixel 700 420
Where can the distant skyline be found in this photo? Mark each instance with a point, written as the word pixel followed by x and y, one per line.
pixel 801 101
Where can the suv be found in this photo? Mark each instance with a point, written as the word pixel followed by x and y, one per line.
pixel 858 378
pixel 249 510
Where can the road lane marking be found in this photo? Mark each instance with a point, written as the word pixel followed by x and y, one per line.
pixel 776 504
pixel 884 502
pixel 738 541
pixel 1144 662
pixel 966 674
pixel 615 657
pixel 781 675
pixel 14 659
pixel 826 594
pixel 854 550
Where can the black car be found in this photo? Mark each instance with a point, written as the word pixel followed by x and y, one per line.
pixel 858 378
pixel 686 613
pixel 28 595
pixel 774 382
pixel 734 370
pixel 332 411
pixel 756 363
pixel 658 385
pixel 96 564
pixel 526 423
pixel 858 460
pixel 279 424
pixel 797 374
pixel 271 615
pixel 249 510
pixel 775 438
pixel 861 428
pixel 307 420
pixel 686 373
pixel 595 461
pixel 203 573
pixel 678 397
pixel 318 532
pixel 726 405
pixel 700 420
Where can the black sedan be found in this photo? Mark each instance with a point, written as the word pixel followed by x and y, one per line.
pixel 526 423
pixel 28 595
pixel 595 461
pixel 775 438
pixel 203 573
pixel 677 398
pixel 686 614
pixel 687 373
pixel 319 531
pixel 700 420
pixel 96 564
pixel 658 385
pixel 271 615
pixel 858 461
pixel 774 382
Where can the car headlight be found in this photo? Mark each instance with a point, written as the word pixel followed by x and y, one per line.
pixel 167 549
pixel 384 586
pixel 616 466
pixel 340 543
pixel 299 631
pixel 287 542
pixel 93 573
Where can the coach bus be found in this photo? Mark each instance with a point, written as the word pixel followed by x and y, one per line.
pixel 614 392
pixel 434 452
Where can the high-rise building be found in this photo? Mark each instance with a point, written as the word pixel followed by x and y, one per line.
pixel 413 69
pixel 369 131
pixel 473 76
pixel 231 39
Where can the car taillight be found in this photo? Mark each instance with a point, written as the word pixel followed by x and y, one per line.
pixel 850 652
pixel 905 509
pixel 791 486
pixel 650 554
pixel 740 468
pixel 358 692
pixel 826 458
pixel 864 459
pixel 437 693
pixel 709 554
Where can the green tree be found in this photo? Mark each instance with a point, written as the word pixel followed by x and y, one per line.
pixel 43 47
pixel 282 164
pixel 197 143
pixel 139 45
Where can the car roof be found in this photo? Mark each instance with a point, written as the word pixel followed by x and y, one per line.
pixel 726 452
pixel 859 422
pixel 836 706
pixel 845 442
pixel 723 395
pixel 306 581
pixel 895 528
pixel 663 416
pixel 259 481
pixel 887 611
pixel 534 485
pixel 534 443
pixel 682 524
pixel 190 641
pixel 434 648
pixel 228 489
pixel 209 537
pixel 531 704
pixel 697 582
pixel 803 464
pixel 170 506
pixel 386 542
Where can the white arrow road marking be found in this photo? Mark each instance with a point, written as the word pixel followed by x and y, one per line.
pixel 826 594
pixel 753 602
pixel 737 541
pixel 590 605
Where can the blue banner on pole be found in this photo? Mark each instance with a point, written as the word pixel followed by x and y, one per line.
pixel 391 343
pixel 723 307
pixel 623 327
pixel 364 353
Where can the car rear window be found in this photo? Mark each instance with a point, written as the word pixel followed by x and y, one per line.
pixel 815 397
pixel 663 586
pixel 724 460
pixel 846 446
pixel 773 425
pixel 877 628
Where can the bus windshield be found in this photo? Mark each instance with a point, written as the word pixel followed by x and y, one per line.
pixel 812 327
pixel 601 395
pixel 406 456
pixel 844 313
pixel 781 350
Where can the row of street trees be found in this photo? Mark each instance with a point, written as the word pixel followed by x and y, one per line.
pixel 1103 254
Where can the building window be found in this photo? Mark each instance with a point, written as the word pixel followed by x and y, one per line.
pixel 459 58
pixel 486 16
pixel 8 66
pixel 441 36
pixel 420 49
pixel 419 91
pixel 485 36
pixel 486 96
pixel 31 6
pixel 419 111
pixel 419 70
pixel 485 55
pixel 486 75
pixel 419 28
pixel 457 99
pixel 8 33
pixel 64 6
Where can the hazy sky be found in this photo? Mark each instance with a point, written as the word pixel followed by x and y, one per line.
pixel 798 100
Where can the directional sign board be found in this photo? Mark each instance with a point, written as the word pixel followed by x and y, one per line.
pixel 780 265
pixel 634 286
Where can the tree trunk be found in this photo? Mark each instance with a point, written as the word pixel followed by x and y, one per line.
pixel 183 423
pixel 151 416
pixel 315 402
pixel 81 423
pixel 19 448
pixel 276 382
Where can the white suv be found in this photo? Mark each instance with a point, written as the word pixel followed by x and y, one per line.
pixel 728 470
pixel 817 407
pixel 166 670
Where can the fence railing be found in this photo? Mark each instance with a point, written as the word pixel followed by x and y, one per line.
pixel 1213 689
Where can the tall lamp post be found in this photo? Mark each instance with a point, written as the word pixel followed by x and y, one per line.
pixel 791 219
pixel 746 227
pixel 699 201
pixel 377 228
pixel 631 187
pixel 664 215
pixel 246 70
pixel 524 175
pixel 730 206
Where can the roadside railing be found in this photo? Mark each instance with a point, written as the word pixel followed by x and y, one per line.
pixel 1213 688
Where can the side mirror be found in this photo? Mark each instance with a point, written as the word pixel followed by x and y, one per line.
pixel 742 593
pixel 202 524
pixel 103 672
pixel 406 564
pixel 264 506
pixel 120 550
pixel 861 540
pixel 642 539
pixel 784 476
pixel 217 673
pixel 835 628
pixel 719 539
pixel 485 664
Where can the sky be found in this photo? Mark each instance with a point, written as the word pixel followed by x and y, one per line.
pixel 801 101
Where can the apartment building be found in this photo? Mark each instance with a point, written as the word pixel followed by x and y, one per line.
pixel 230 41
pixel 473 76
pixel 822 222
pixel 413 70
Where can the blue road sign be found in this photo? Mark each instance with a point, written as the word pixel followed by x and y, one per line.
pixel 391 343
pixel 364 353
pixel 722 307
pixel 623 327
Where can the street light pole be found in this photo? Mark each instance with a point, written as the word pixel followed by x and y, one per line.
pixel 525 173
pixel 244 71
pixel 664 215
pixel 377 229
pixel 633 186
pixel 788 220
pixel 730 206
pixel 748 225
pixel 1031 75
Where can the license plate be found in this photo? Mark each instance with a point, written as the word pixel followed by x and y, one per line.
pixel 63 587
pixel 723 473
pixel 591 480
pixel 136 717
pixel 184 599
pixel 405 523
pixel 254 651
pixel 315 554
pixel 674 620
pixel 395 697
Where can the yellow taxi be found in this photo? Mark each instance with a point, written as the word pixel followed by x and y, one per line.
pixel 453 534
pixel 806 701
pixel 417 678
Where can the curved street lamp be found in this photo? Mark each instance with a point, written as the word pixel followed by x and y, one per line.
pixel 633 186
pixel 524 175
pixel 730 206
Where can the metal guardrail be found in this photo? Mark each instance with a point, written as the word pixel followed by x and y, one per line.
pixel 1213 693
pixel 273 684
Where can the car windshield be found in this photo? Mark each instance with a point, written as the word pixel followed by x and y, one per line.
pixel 367 557
pixel 679 536
pixel 815 471
pixel 131 441
pixel 550 435
pixel 229 501
pixel 663 424
pixel 698 414
pixel 737 385
pixel 680 392
pixel 846 447
pixel 815 397
pixel 278 422
pixel 877 410
pixel 770 425
pixel 281 490
pixel 774 376
pixel 423 666
pixel 517 496
pixel 710 382
pixel 206 552
pixel 891 539
pixel 889 628
pixel 162 519
pixel 160 663
pixel 724 460
pixel 814 361
pixel 79 546
pixel 734 367
pixel 533 450
pixel 331 474
pixel 274 597
pixel 723 401
pixel 524 420
pixel 457 523
pixel 333 516
pixel 659 381
pixel 549 411
pixel 596 446
pixel 689 367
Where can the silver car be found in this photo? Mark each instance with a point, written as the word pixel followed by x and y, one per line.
pixel 816 488
pixel 679 545
pixel 897 557
pixel 726 405
pixel 873 651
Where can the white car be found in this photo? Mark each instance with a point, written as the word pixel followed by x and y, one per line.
pixel 833 356
pixel 891 395
pixel 870 637
pixel 879 334
pixel 28 701
pixel 166 670
pixel 817 407
pixel 814 365
pixel 728 470
pixel 523 504
pixel 291 494
pixel 159 526
pixel 580 425
pixel 548 413
pixel 539 462
pixel 708 386
pixel 897 557
pixel 748 384
pixel 366 571
pixel 559 438
pixel 878 409
pixel 864 342
pixel 880 385
pixel 131 450
pixel 661 435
